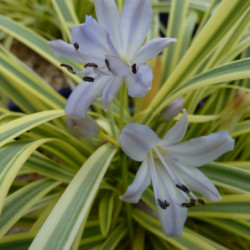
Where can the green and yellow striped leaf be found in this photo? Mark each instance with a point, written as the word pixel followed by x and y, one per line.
pixel 189 239
pixel 60 228
pixel 24 199
pixel 12 158
pixel 105 212
pixel 12 129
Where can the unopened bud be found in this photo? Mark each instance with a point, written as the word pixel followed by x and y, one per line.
pixel 82 128
pixel 173 109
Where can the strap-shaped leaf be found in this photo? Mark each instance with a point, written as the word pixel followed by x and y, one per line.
pixel 41 164
pixel 60 228
pixel 12 158
pixel 19 241
pixel 239 227
pixel 230 207
pixel 175 29
pixel 14 94
pixel 228 72
pixel 232 71
pixel 226 15
pixel 28 85
pixel 105 212
pixel 23 199
pixel 189 239
pixel 163 7
pixel 92 233
pixel 231 39
pixel 33 41
pixel 114 238
pixel 241 128
pixel 66 14
pixel 12 129
pixel 227 176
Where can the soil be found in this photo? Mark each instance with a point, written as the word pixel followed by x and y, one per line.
pixel 42 67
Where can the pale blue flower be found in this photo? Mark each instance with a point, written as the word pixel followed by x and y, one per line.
pixel 111 51
pixel 172 169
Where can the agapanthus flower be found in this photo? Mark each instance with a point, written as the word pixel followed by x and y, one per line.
pixel 111 51
pixel 172 169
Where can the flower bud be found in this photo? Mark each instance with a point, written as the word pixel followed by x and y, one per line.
pixel 173 109
pixel 82 128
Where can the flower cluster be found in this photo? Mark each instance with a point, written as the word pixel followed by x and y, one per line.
pixel 112 53
pixel 172 169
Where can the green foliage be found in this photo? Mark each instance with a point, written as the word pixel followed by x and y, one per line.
pixel 72 200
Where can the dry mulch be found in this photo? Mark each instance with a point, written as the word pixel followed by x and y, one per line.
pixel 41 66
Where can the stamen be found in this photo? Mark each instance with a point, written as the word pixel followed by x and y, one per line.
pixel 183 188
pixel 190 204
pixel 187 205
pixel 78 52
pixel 134 68
pixel 93 65
pixel 76 45
pixel 107 64
pixel 193 195
pixel 201 201
pixel 193 201
pixel 88 79
pixel 69 68
pixel 163 204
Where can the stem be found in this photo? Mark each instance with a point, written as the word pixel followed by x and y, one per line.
pixel 127 205
pixel 124 167
pixel 122 106
pixel 112 122
pixel 107 138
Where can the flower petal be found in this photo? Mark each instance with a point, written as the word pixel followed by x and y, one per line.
pixel 136 140
pixel 140 83
pixel 83 96
pixel 82 128
pixel 152 49
pixel 109 17
pixel 141 182
pixel 177 132
pixel 199 151
pixel 110 91
pixel 92 40
pixel 61 48
pixel 173 217
pixel 117 66
pixel 112 47
pixel 196 181
pixel 136 18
